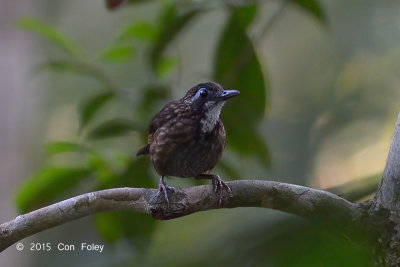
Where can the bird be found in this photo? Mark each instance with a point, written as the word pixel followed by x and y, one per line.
pixel 187 137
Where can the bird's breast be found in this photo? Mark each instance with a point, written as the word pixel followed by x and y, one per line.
pixel 181 147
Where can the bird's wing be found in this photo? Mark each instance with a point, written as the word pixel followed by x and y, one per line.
pixel 166 114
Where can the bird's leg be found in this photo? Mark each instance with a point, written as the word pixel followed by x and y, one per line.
pixel 218 183
pixel 162 186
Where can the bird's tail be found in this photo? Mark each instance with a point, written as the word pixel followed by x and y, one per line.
pixel 144 150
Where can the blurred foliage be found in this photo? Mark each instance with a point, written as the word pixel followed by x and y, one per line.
pixel 312 6
pixel 117 53
pixel 92 105
pixel 236 65
pixel 112 128
pixel 48 184
pixel 358 188
pixel 52 35
pixel 135 227
pixel 61 147
pixel 141 31
pixel 294 243
pixel 170 24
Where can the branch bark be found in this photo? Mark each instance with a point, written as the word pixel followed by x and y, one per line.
pixel 386 204
pixel 299 200
pixel 388 194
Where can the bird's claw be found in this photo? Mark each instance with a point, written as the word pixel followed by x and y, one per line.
pixel 219 187
pixel 163 187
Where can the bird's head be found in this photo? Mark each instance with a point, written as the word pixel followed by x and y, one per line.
pixel 208 99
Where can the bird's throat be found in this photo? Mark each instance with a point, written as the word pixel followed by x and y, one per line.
pixel 211 116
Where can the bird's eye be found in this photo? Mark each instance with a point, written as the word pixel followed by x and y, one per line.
pixel 203 92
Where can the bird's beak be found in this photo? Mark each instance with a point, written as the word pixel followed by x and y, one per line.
pixel 226 94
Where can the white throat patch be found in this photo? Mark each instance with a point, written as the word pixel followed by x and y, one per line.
pixel 211 116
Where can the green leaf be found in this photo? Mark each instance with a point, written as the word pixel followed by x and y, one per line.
pixel 136 228
pixel 95 161
pixel 113 128
pixel 51 34
pixel 65 66
pixel 164 66
pixel 102 171
pixel 248 142
pixel 312 6
pixel 237 67
pixel 60 147
pixel 107 225
pixel 118 53
pixel 171 24
pixel 229 170
pixel 92 105
pixel 152 95
pixel 47 185
pixel 141 31
pixel 81 68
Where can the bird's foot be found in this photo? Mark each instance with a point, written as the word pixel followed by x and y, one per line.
pixel 164 187
pixel 219 187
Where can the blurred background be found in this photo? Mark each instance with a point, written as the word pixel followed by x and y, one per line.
pixel 80 81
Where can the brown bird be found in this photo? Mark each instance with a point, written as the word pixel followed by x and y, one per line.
pixel 187 137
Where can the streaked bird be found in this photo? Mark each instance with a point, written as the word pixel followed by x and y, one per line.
pixel 187 137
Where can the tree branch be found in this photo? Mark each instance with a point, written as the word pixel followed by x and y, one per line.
pixel 385 206
pixel 388 192
pixel 300 200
